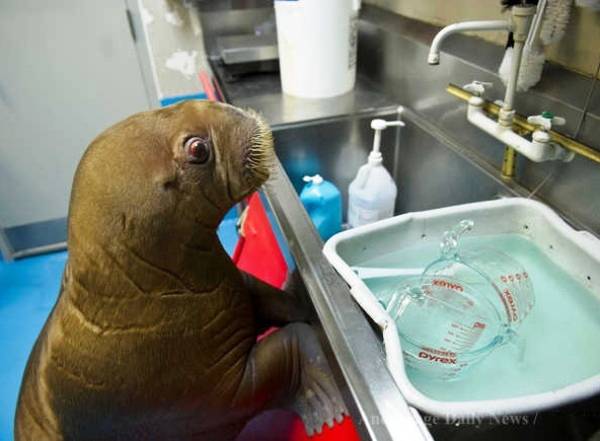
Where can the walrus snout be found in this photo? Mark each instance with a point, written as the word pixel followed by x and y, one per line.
pixel 259 154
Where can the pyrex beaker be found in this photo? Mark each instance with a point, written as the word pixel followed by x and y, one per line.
pixel 444 325
pixel 494 274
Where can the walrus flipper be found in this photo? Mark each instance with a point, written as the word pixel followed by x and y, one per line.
pixel 290 363
pixel 317 400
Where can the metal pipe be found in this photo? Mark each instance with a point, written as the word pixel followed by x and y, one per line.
pixel 521 122
pixel 6 249
pixel 521 23
pixel 536 25
pixel 480 25
pixel 511 87
pixel 61 246
pixel 508 163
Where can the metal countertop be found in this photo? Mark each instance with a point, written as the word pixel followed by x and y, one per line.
pixel 262 92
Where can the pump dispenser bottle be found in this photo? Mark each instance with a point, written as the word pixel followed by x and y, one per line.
pixel 372 193
pixel 323 202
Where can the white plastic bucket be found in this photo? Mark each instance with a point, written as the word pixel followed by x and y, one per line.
pixel 578 253
pixel 317 46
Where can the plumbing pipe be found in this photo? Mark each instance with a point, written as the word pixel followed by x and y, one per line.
pixel 521 18
pixel 511 87
pixel 508 163
pixel 536 25
pixel 521 22
pixel 480 25
pixel 538 150
pixel 569 144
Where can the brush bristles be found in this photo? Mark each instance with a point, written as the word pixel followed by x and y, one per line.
pixel 260 156
pixel 555 20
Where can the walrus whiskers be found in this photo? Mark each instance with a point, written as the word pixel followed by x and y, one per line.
pixel 259 155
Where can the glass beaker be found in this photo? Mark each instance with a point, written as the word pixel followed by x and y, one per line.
pixel 444 325
pixel 494 274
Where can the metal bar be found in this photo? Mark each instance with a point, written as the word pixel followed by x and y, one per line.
pixel 376 399
pixel 508 163
pixel 520 122
pixel 60 246
pixel 5 248
pixel 142 51
pixel 511 87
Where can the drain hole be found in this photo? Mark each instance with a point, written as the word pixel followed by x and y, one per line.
pixel 589 278
pixel 423 236
pixel 551 247
pixel 526 226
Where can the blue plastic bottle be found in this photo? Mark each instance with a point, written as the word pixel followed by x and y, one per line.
pixel 323 202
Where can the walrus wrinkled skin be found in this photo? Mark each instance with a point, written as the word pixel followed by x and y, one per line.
pixel 153 336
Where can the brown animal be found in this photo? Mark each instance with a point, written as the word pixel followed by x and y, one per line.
pixel 153 336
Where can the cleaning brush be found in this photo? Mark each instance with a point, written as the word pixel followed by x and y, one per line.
pixel 555 20
pixel 594 5
pixel 530 72
pixel 548 26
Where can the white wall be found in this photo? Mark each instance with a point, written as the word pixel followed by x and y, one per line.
pixel 68 70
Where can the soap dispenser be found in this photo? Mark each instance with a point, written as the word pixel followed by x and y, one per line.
pixel 323 202
pixel 372 194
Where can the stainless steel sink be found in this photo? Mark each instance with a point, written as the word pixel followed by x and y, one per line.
pixel 430 172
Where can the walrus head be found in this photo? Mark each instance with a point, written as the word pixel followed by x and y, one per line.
pixel 162 172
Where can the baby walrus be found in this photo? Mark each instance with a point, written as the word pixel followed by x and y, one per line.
pixel 154 335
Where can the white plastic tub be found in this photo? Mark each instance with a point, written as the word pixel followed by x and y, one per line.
pixel 578 253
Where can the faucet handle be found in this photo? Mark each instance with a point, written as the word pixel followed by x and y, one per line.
pixel 546 120
pixel 477 88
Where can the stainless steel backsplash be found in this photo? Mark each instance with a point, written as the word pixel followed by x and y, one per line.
pixel 392 53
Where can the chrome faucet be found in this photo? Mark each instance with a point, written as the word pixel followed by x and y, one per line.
pixel 480 25
pixel 519 23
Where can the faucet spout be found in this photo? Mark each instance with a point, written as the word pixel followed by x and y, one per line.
pixel 541 147
pixel 480 25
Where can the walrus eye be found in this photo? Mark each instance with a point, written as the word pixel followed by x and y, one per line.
pixel 197 149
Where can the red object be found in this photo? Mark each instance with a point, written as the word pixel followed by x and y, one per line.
pixel 344 431
pixel 283 425
pixel 257 252
pixel 207 85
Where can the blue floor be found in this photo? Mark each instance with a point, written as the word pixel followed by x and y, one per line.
pixel 28 290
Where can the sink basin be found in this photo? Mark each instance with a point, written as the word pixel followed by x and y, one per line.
pixel 431 172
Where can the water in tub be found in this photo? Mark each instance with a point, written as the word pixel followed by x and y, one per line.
pixel 561 334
